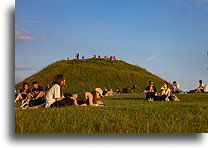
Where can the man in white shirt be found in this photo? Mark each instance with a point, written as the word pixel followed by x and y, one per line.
pixel 176 87
pixel 201 87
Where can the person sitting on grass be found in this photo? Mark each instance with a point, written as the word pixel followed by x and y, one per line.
pixel 150 91
pixel 24 94
pixel 165 93
pixel 89 98
pixel 105 92
pixel 201 87
pixel 37 94
pixel 110 92
pixel 48 86
pixel 176 87
pixel 54 97
pixel 118 91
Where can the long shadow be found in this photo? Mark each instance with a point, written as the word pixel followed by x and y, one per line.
pixel 126 99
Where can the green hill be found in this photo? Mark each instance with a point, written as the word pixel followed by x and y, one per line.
pixel 84 75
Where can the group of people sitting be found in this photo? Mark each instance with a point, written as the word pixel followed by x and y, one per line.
pixel 111 92
pixel 55 96
pixel 165 93
pixel 110 58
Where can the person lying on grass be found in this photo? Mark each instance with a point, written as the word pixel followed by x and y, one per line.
pixel 54 97
pixel 89 98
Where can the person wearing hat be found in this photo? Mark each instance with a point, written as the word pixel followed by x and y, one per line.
pixel 89 98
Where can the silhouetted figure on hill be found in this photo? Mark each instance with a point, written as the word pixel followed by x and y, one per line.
pixel 106 57
pixel 94 57
pixel 77 56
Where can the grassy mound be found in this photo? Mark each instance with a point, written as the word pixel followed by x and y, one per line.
pixel 84 75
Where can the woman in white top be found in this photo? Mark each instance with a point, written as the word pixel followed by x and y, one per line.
pixel 165 92
pixel 55 97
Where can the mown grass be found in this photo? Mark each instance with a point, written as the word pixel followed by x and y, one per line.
pixel 91 73
pixel 125 113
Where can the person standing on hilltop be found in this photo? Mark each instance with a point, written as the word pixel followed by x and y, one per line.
pixel 150 91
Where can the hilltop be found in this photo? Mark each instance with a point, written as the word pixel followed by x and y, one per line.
pixel 84 75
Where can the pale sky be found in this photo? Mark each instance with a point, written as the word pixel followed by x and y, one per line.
pixel 167 37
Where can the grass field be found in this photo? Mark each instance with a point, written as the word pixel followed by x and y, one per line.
pixel 125 113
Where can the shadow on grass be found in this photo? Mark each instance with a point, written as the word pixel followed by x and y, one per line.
pixel 126 99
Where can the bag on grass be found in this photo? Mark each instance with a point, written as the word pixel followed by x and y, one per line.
pixel 175 98
pixel 206 88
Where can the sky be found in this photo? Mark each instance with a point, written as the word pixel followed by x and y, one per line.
pixel 169 38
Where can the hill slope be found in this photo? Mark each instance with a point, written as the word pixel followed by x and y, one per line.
pixel 91 73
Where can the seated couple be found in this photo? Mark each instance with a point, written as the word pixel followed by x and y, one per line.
pixel 33 98
pixel 165 95
pixel 55 97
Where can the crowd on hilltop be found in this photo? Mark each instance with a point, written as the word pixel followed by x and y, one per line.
pixel 77 56
pixel 53 95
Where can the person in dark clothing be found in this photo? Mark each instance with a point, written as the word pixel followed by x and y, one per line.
pixel 150 91
pixel 105 91
pixel 118 91
pixel 37 94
